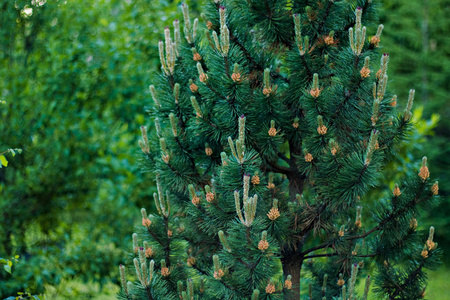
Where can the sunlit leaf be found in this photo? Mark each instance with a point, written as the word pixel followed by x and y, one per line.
pixel 3 160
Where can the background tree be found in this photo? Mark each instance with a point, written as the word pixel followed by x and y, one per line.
pixel 419 37
pixel 74 80
pixel 273 133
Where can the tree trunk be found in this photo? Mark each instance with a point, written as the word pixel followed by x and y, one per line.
pixel 292 266
pixel 290 259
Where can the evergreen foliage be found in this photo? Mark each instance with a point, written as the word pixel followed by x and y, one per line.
pixel 420 39
pixel 272 124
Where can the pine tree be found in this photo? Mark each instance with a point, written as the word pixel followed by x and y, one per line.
pixel 272 128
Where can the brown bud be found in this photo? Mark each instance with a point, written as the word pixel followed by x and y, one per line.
pixel 435 189
pixel 288 284
pixel 146 222
pixel 194 88
pixel 424 253
pixel 272 131
pixel 218 274
pixel 396 192
pixel 273 214
pixel 431 245
pixel 195 200
pixel 413 223
pixel 322 130
pixel 394 101
pixel 308 157
pixel 424 173
pixel 210 197
pixel 191 261
pixel 263 245
pixel 149 252
pixel 270 288
pixel 315 92
pixel 165 272
pixel 375 41
pixel 329 40
pixel 365 72
pixel 333 151
pixel 203 77
pixel 255 179
pixel 267 91
pixel 378 74
pixel 236 77
pixel 197 57
pixel 208 151
pixel 342 231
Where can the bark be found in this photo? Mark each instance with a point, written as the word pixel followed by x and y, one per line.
pixel 292 266
pixel 290 259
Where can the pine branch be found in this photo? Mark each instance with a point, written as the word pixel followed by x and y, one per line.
pixel 187 153
pixel 324 245
pixel 253 64
pixel 308 70
pixel 376 228
pixel 196 267
pixel 324 19
pixel 227 66
pixel 336 254
pixel 216 92
pixel 348 93
pixel 287 160
pixel 407 281
pixel 279 169
pixel 167 246
pixel 149 293
pixel 155 237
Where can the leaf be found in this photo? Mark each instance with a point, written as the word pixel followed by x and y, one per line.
pixel 3 160
pixel 7 268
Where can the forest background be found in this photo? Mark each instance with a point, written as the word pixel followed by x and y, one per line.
pixel 74 79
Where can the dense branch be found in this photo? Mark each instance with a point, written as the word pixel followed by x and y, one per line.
pixel 367 233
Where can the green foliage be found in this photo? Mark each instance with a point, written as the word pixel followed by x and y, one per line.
pixel 3 160
pixel 25 295
pixel 78 289
pixel 74 80
pixel 8 263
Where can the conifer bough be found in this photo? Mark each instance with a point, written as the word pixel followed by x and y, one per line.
pixel 273 125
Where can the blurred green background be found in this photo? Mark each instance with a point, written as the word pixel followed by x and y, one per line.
pixel 75 76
